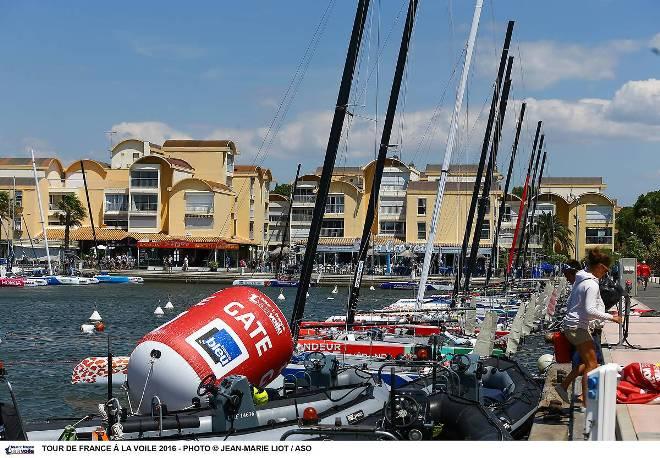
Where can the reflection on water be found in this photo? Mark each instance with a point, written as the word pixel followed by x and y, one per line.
pixel 41 339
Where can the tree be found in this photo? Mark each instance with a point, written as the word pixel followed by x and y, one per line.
pixel 5 209
pixel 517 191
pixel 635 248
pixel 553 231
pixel 283 189
pixel 73 214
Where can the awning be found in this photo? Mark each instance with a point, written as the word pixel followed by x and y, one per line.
pixel 188 244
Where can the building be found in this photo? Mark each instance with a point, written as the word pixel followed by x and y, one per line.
pixel 250 211
pixel 178 199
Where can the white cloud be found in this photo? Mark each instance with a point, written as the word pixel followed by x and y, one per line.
pixel 545 63
pixel 153 131
pixel 654 43
pixel 630 114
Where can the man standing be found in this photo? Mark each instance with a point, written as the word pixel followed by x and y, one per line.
pixel 643 273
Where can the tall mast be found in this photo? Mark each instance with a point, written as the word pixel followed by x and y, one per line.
pixel 494 252
pixel 341 108
pixel 536 197
pixel 287 227
pixel 523 199
pixel 41 213
pixel 451 140
pixel 530 193
pixel 89 208
pixel 492 163
pixel 380 162
pixel 482 160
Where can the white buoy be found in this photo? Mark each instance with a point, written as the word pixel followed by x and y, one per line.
pixel 544 362
pixel 307 294
pixel 281 296
pixel 95 316
pixel 159 311
pixel 371 288
pixel 169 304
pixel 87 328
pixel 336 290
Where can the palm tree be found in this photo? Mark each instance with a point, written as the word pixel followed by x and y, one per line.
pixel 73 214
pixel 5 209
pixel 552 231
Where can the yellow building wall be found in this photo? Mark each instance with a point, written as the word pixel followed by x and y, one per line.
pixel 177 209
pixel 241 185
pixel 354 212
pixel 208 164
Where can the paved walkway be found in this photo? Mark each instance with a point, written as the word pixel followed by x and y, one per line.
pixel 634 421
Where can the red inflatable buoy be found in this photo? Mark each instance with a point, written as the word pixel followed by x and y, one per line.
pixel 100 327
pixel 238 330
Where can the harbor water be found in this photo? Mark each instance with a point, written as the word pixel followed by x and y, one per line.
pixel 42 342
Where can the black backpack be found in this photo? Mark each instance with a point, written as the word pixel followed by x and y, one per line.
pixel 610 291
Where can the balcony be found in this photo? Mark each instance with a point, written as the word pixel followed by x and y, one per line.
pixel 304 198
pixel 144 183
pixel 335 209
pixel 144 208
pixel 199 209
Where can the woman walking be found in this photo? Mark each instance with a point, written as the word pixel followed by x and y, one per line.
pixel 585 304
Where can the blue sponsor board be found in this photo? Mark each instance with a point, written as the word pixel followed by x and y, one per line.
pixel 219 345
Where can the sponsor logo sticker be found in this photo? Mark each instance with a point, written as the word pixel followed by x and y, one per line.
pixel 219 346
pixel 20 450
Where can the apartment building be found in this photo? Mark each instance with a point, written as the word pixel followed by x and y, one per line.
pixel 176 199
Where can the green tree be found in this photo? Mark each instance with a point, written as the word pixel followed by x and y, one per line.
pixel 552 232
pixel 517 191
pixel 5 210
pixel 73 214
pixel 635 248
pixel 283 189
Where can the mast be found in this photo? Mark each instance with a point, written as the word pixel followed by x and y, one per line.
pixel 287 227
pixel 482 160
pixel 492 163
pixel 536 198
pixel 41 213
pixel 89 208
pixel 341 108
pixel 380 162
pixel 27 230
pixel 523 199
pixel 494 251
pixel 525 227
pixel 451 140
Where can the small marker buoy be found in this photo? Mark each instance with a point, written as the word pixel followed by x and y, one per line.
pixel 336 290
pixel 87 328
pixel 159 311
pixel 281 296
pixel 95 316
pixel 371 288
pixel 169 304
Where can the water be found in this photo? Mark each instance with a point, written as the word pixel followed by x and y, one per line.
pixel 41 339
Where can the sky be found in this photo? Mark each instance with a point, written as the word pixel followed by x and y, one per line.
pixel 266 74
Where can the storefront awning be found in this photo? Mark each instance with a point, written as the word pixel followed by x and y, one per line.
pixel 188 244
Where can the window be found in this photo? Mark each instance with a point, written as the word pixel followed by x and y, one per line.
pixel 115 221
pixel 510 214
pixel 302 214
pixel 144 202
pixel 199 221
pixel 136 156
pixel 251 188
pixel 18 198
pixel 332 228
pixel 265 229
pixel 143 222
pixel 251 229
pixel 116 202
pixel 144 178
pixel 421 231
pixel 485 231
pixel 599 235
pixel 199 202
pixel 421 206
pixel 599 214
pixel 391 182
pixel 392 228
pixel 304 195
pixel 18 227
pixel 335 203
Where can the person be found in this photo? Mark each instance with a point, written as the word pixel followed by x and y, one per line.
pixel 185 263
pixel 584 305
pixel 643 273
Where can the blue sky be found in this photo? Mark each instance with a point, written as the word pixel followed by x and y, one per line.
pixel 72 71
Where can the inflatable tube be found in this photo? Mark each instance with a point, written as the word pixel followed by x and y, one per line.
pixel 467 419
pixel 238 330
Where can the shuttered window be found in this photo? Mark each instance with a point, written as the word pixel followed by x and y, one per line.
pixel 599 213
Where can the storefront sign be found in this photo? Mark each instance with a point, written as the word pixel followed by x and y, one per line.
pixel 185 244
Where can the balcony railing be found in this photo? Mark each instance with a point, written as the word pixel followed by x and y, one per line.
pixel 144 207
pixel 307 199
pixel 199 209
pixel 338 208
pixel 144 183
pixel 605 240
